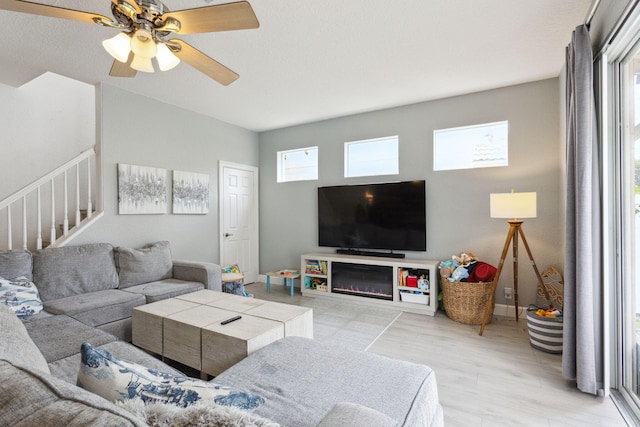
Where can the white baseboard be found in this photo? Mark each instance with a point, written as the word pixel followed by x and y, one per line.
pixel 499 310
pixel 508 310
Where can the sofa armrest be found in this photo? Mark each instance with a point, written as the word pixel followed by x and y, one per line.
pixel 207 273
pixel 354 415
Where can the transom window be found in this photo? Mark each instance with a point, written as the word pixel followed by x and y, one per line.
pixel 371 157
pixel 300 164
pixel 478 146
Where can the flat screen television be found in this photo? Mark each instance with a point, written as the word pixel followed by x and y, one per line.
pixel 388 216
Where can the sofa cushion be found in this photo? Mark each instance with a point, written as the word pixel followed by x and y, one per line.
pixel 96 308
pixel 16 263
pixel 29 397
pixel 150 263
pixel 333 374
pixel 354 415
pixel 163 289
pixel 15 344
pixel 21 296
pixel 67 369
pixel 58 337
pixel 120 328
pixel 73 270
pixel 117 379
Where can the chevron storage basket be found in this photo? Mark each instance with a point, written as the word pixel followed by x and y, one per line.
pixel 545 333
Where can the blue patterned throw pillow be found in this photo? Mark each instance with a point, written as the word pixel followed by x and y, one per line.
pixel 21 296
pixel 115 379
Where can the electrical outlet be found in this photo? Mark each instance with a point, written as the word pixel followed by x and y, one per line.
pixel 508 294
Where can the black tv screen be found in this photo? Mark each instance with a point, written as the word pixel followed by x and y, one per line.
pixel 389 216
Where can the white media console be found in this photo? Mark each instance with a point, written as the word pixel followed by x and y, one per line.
pixel 407 284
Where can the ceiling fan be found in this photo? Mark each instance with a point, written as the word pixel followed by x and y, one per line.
pixel 145 27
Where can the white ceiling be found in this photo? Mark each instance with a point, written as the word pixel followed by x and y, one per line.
pixel 316 59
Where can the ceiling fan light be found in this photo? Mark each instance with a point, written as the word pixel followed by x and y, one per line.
pixel 143 64
pixel 142 44
pixel 166 59
pixel 118 46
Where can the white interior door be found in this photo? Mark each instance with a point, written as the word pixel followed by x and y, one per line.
pixel 238 201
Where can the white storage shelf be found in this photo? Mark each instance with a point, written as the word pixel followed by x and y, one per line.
pixel 316 281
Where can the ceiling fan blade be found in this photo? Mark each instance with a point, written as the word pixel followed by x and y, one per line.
pixel 120 69
pixel 222 17
pixel 52 11
pixel 203 63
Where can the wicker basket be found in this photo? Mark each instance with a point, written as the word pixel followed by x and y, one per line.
pixel 465 302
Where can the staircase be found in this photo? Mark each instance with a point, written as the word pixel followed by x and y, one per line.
pixel 54 209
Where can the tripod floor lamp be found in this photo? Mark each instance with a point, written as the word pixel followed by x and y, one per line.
pixel 515 206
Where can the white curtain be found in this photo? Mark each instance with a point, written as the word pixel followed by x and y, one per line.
pixel 582 346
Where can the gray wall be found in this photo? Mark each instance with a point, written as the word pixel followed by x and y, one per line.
pixel 457 201
pixel 44 123
pixel 141 131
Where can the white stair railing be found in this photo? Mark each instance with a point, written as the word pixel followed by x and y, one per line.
pixel 23 213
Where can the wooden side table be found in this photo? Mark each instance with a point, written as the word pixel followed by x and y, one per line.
pixel 287 274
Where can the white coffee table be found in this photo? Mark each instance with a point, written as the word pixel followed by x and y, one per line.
pixel 225 345
pixel 188 328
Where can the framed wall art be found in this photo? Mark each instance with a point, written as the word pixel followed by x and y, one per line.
pixel 190 193
pixel 141 190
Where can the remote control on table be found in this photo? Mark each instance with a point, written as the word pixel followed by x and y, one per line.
pixel 233 319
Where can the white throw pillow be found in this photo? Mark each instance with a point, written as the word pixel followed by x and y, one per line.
pixel 198 414
pixel 21 296
pixel 115 379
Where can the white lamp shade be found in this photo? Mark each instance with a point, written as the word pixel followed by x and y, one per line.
pixel 142 64
pixel 513 205
pixel 118 46
pixel 142 44
pixel 166 59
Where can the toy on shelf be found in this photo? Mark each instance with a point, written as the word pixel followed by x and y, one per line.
pixel 316 267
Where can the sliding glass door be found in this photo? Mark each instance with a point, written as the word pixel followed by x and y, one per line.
pixel 629 219
pixel 625 177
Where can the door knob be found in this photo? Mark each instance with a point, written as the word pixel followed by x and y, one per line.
pixel 228 234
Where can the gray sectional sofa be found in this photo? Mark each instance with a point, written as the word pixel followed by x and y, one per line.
pixel 99 284
pixel 302 382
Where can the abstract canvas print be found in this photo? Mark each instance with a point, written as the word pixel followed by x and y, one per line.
pixel 190 193
pixel 141 190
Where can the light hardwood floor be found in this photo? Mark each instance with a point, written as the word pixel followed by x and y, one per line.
pixel 496 379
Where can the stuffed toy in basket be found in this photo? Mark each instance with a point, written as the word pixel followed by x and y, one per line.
pixel 466 288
